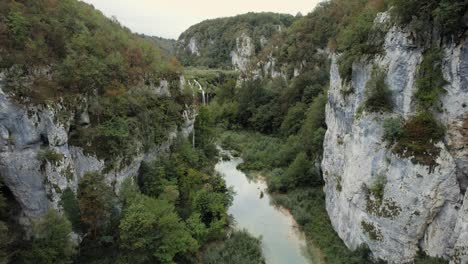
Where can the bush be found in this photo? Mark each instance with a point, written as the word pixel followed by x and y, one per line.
pixel 95 200
pixel 51 156
pixel 447 15
pixel 299 173
pixel 293 119
pixel 378 95
pixel 51 242
pixel 240 247
pixel 393 130
pixel 69 203
pixel 151 231
pixel 359 38
pixel 378 187
pixel 308 205
pixel 430 83
pixel 421 133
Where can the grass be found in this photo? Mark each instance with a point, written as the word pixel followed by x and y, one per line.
pixel 307 205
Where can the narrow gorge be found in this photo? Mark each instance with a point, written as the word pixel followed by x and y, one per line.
pixel 354 116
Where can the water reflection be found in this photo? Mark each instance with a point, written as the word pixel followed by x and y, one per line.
pixel 282 241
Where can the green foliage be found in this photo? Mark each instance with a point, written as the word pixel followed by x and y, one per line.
pixel 52 242
pixel 184 178
pixel 314 127
pixel 393 130
pixel 300 172
pixel 447 15
pixel 151 231
pixel 361 37
pixel 293 120
pixel 422 258
pixel 18 26
pixel 240 247
pixel 378 187
pixel 126 124
pixel 95 200
pixel 378 95
pixel 307 205
pixel 83 51
pixel 204 129
pixel 70 206
pixel 216 38
pixel 430 82
pixel 51 156
pixel 417 138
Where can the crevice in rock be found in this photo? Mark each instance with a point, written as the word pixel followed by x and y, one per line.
pixel 44 140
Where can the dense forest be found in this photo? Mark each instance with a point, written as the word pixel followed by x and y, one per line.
pixel 67 55
pixel 216 38
pixel 278 124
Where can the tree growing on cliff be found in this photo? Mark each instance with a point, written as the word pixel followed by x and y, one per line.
pixel 95 199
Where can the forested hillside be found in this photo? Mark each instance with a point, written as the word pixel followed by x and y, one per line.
pixel 278 122
pixel 95 164
pixel 355 114
pixel 211 42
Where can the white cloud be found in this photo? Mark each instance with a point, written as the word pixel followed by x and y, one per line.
pixel 169 18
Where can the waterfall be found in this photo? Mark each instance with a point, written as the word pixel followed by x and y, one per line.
pixel 204 99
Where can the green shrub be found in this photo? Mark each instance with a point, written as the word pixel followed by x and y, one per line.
pixel 430 82
pixel 293 119
pixel 308 205
pixel 378 95
pixel 360 38
pixel 69 203
pixel 51 156
pixel 378 187
pixel 240 247
pixel 421 133
pixel 51 242
pixel 447 15
pixel 393 130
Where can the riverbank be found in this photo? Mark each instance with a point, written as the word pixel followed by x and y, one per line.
pixel 253 210
pixel 307 205
pixel 261 154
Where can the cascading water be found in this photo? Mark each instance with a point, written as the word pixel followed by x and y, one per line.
pixel 204 99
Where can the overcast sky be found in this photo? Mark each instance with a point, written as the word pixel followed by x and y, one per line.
pixel 169 18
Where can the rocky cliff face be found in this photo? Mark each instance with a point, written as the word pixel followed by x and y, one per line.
pixel 421 209
pixel 27 132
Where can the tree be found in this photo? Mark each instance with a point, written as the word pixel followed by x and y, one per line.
pixel 150 231
pixel 241 247
pixel 293 120
pixel 314 128
pixel 299 173
pixel 211 206
pixel 95 199
pixel 71 208
pixel 52 242
pixel 204 136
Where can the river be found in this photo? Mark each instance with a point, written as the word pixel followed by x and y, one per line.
pixel 282 241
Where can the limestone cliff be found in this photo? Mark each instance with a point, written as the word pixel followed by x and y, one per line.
pixel 27 131
pixel 230 42
pixel 421 208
